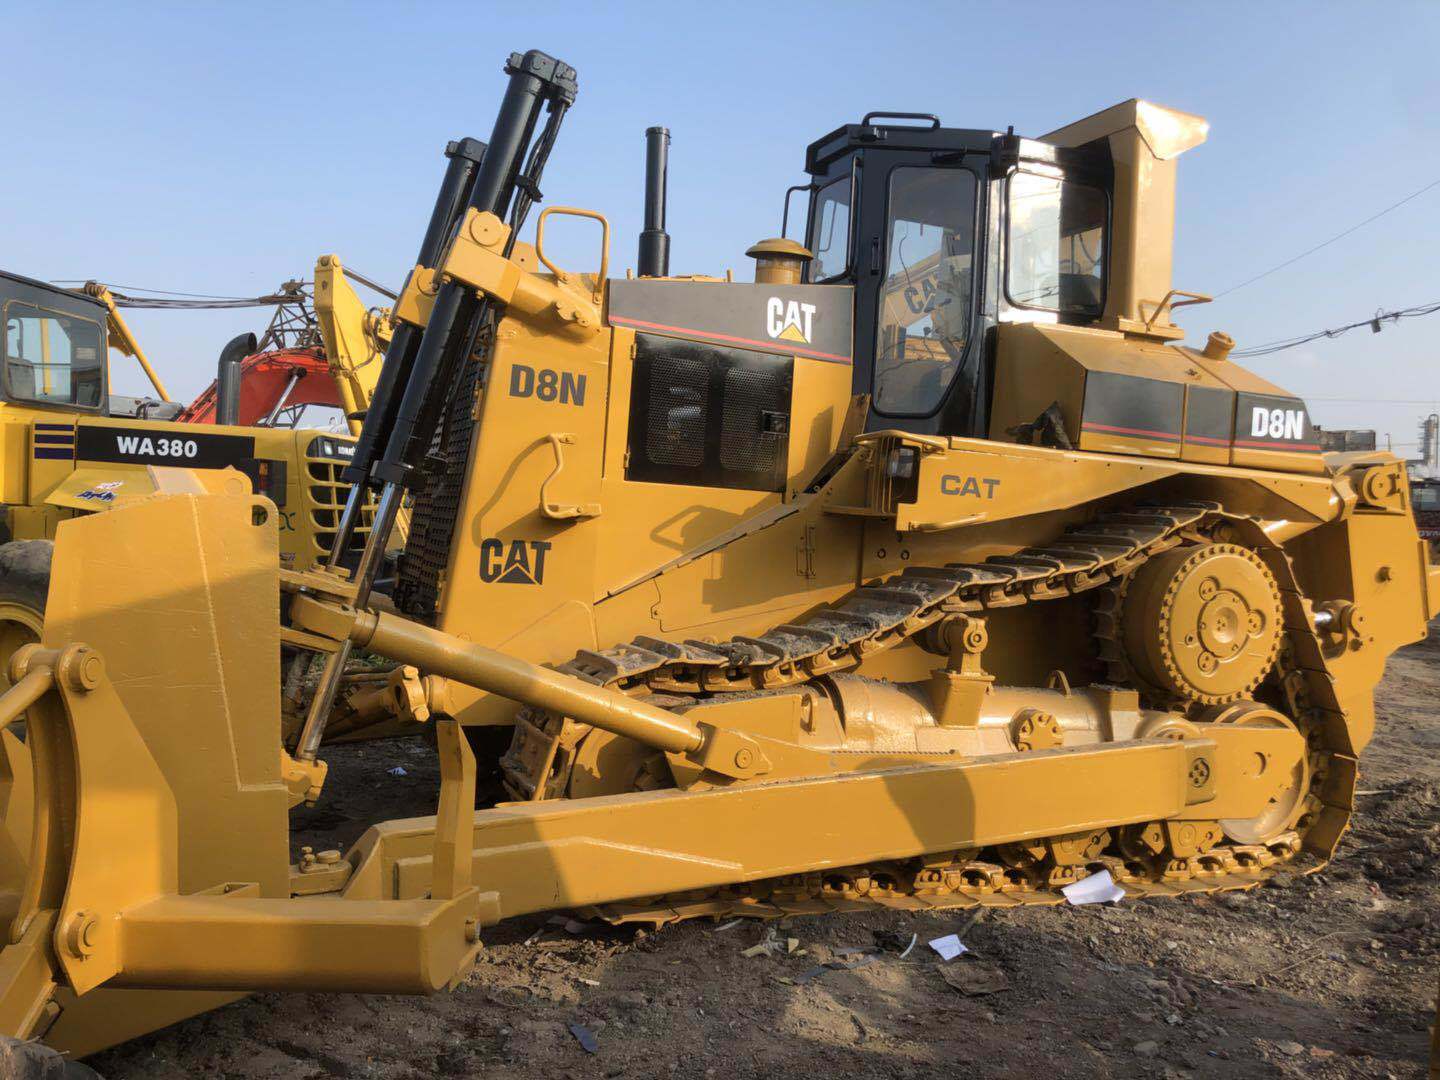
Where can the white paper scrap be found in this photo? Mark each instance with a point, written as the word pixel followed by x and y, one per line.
pixel 948 946
pixel 1096 889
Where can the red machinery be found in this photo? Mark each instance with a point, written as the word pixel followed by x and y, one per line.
pixel 271 384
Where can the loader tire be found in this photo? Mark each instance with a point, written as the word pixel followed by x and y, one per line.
pixel 24 584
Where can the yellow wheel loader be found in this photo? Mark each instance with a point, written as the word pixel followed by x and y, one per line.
pixel 71 447
pixel 927 570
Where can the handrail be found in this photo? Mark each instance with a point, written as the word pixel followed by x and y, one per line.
pixel 575 211
pixel 562 511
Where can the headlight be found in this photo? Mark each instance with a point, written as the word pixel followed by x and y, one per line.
pixel 901 465
pixel 328 446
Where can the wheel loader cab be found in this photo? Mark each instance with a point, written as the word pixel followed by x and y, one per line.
pixel 945 233
pixel 54 347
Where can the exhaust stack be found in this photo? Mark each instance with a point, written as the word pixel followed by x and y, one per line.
pixel 654 257
pixel 227 379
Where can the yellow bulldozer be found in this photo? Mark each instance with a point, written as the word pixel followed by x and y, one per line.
pixel 928 569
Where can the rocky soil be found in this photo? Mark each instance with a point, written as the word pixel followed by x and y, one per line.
pixel 1330 976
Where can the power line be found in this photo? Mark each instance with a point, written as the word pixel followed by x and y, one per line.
pixel 1327 243
pixel 1373 322
pixel 1374 400
pixel 162 303
pixel 141 288
pixel 223 301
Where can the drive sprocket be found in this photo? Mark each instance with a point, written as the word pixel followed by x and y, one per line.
pixel 1202 623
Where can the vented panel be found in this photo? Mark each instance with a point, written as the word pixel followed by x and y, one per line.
pixel 745 444
pixel 708 416
pixel 679 401
pixel 437 504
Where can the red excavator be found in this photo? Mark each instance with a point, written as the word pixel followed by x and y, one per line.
pixel 272 385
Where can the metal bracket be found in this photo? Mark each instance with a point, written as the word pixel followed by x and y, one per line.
pixel 417 298
pixel 304 780
pixel 1166 305
pixel 324 618
pixel 730 753
pixel 477 259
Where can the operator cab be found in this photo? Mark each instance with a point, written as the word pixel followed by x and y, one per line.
pixel 944 233
pixel 54 346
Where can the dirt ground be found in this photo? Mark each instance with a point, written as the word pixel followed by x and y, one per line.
pixel 1333 976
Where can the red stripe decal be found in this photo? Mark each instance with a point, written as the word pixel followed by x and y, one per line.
pixel 1207 439
pixel 1254 445
pixel 1143 433
pixel 768 345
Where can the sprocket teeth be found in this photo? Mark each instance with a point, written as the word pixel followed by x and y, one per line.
pixel 1242 587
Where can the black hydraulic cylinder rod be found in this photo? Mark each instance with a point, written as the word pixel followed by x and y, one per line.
pixel 464 157
pixel 450 329
pixel 456 319
pixel 654 258
pixel 227 377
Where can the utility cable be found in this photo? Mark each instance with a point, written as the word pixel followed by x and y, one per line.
pixel 1374 322
pixel 141 288
pixel 1327 243
pixel 1369 400
pixel 162 303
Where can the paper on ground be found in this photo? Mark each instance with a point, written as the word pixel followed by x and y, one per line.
pixel 1096 889
pixel 948 946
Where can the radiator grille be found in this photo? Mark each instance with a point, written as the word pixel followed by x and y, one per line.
pixel 327 493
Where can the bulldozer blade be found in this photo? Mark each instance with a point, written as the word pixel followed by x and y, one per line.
pixel 152 871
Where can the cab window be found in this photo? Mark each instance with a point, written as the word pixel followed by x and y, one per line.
pixel 52 358
pixel 927 292
pixel 829 238
pixel 1055 235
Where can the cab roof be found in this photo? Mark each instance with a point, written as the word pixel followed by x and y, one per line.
pixel 944 142
pixel 45 286
pixel 911 136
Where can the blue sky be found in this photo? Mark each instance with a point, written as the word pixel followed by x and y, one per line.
pixel 219 149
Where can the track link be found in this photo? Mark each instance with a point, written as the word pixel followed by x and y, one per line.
pixel 1099 553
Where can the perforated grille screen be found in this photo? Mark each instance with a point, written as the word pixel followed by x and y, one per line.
pixel 748 396
pixel 679 392
pixel 708 416
pixel 437 503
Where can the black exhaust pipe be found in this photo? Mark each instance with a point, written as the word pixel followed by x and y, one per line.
pixel 227 379
pixel 654 259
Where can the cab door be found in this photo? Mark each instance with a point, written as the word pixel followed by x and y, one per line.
pixel 919 291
